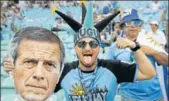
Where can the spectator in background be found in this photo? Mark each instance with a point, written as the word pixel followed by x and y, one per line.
pixel 106 9
pixel 3 19
pixel 114 4
pixel 69 14
pixel 17 13
pixel 95 17
pixel 155 6
pixel 116 31
pixel 104 40
pixel 149 44
pixel 146 90
pixel 17 19
pixel 23 5
pixel 3 22
pixel 157 34
pixel 59 23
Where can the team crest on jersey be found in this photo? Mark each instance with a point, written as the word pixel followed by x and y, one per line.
pixel 79 94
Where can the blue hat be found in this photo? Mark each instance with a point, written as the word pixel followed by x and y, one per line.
pixel 129 15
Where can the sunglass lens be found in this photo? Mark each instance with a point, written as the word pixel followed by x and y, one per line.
pixel 81 44
pixel 93 44
pixel 137 22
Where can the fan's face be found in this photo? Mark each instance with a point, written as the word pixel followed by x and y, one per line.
pixel 87 50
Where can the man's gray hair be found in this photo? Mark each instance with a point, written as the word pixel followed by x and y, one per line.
pixel 36 34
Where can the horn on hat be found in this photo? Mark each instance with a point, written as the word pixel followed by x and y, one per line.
pixel 71 22
pixel 83 12
pixel 103 23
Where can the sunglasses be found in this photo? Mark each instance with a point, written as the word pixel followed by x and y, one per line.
pixel 134 23
pixel 92 44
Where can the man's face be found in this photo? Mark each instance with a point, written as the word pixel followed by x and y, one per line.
pixel 154 27
pixel 87 50
pixel 37 69
pixel 132 29
pixel 117 27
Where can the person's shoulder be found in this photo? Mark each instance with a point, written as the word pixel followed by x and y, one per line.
pixel 107 62
pixel 71 65
pixel 67 68
pixel 160 32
